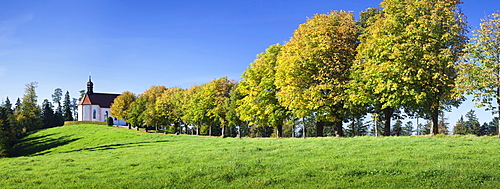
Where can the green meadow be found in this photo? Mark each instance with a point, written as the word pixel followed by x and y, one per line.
pixel 96 156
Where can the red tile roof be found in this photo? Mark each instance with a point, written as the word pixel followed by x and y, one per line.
pixel 104 100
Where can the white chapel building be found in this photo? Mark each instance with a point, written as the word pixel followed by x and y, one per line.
pixel 96 106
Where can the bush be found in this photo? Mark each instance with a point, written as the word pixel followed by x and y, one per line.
pixel 109 121
pixel 68 123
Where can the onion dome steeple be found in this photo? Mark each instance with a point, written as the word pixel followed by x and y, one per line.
pixel 90 86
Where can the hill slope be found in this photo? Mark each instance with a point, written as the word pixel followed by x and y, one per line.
pixel 92 156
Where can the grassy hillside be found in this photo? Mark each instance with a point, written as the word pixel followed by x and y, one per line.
pixel 92 156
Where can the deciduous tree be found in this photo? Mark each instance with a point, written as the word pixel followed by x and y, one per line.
pixel 217 95
pixel 120 107
pixel 260 105
pixel 480 72
pixel 169 105
pixel 314 66
pixel 196 109
pixel 408 56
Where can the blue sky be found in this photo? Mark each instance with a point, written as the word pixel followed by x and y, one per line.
pixel 132 45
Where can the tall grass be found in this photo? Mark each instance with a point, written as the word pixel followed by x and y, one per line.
pixel 92 156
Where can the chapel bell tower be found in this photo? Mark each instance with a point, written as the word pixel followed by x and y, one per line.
pixel 90 86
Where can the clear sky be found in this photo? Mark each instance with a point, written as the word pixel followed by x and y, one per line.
pixel 132 45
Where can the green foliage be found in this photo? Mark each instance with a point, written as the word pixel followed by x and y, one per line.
pixel 368 17
pixel 56 98
pixel 7 132
pixel 87 156
pixel 357 127
pixel 195 108
pixel 109 121
pixel 260 105
pixel 233 116
pixel 397 128
pixel 217 95
pixel 480 72
pixel 170 107
pixel 69 123
pixel 407 56
pixel 407 129
pixel 120 107
pixel 68 115
pixel 314 66
pixel 47 115
pixel 28 117
pixel 143 110
pixel 469 126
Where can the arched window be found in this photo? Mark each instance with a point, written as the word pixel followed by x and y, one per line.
pixel 94 114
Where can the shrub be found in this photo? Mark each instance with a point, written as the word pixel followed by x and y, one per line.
pixel 68 123
pixel 109 121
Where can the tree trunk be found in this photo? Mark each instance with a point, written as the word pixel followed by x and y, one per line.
pixel 340 131
pixel 239 132
pixel 498 106
pixel 303 128
pixel 388 116
pixel 176 126
pixel 434 119
pixel 376 127
pixel 223 135
pixel 320 126
pixel 129 126
pixel 210 131
pixel 279 131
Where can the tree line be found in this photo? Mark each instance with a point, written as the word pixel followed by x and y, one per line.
pixel 26 115
pixel 408 59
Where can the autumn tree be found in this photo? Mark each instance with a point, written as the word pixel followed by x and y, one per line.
pixel 480 72
pixel 169 106
pixel 136 109
pixel 314 66
pixel 233 116
pixel 150 115
pixel 367 18
pixel 195 108
pixel 120 107
pixel 408 56
pixel 28 118
pixel 260 105
pixel 216 95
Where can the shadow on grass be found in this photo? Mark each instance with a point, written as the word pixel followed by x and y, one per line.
pixel 33 145
pixel 116 146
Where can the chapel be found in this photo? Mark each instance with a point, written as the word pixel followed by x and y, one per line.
pixel 96 106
